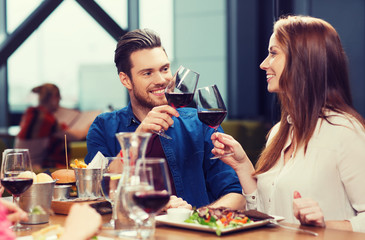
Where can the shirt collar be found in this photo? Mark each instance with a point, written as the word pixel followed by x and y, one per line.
pixel 131 118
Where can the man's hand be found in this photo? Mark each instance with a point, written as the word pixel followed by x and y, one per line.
pixel 158 118
pixel 176 202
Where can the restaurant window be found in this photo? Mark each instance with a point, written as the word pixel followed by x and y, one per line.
pixel 76 53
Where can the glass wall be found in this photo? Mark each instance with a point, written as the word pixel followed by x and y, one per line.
pixel 76 53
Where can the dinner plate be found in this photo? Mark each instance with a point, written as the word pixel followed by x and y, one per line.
pixel 54 237
pixel 163 219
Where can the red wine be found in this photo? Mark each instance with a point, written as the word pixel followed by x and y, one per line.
pixel 179 100
pixel 151 202
pixel 16 186
pixel 212 118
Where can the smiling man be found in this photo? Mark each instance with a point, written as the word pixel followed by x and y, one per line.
pixel 144 69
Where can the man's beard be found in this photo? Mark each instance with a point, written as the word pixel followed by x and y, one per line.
pixel 143 102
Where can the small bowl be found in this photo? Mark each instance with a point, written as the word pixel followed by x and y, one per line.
pixel 178 214
pixel 61 192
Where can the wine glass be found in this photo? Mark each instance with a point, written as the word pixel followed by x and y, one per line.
pixel 16 177
pixel 112 172
pixel 211 109
pixel 135 180
pixel 151 192
pixel 180 90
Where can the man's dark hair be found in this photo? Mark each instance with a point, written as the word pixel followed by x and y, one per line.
pixel 130 42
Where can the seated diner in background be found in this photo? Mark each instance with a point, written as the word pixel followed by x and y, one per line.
pixel 42 134
pixel 144 69
pixel 312 170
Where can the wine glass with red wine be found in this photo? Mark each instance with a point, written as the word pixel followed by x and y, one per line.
pixel 211 109
pixel 180 90
pixel 153 193
pixel 16 177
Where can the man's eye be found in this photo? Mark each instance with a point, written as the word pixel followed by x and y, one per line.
pixel 166 69
pixel 272 53
pixel 147 74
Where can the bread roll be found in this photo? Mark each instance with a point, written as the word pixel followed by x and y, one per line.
pixel 64 176
pixel 43 178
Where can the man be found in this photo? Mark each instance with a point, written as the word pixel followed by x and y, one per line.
pixel 144 69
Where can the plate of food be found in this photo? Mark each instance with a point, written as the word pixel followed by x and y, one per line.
pixel 220 220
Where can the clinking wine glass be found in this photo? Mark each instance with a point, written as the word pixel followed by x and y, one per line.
pixel 16 177
pixel 211 109
pixel 112 172
pixel 180 90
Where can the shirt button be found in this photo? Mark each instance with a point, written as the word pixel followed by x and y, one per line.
pixel 273 183
pixel 269 199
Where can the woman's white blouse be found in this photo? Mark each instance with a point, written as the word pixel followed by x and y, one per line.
pixel 332 172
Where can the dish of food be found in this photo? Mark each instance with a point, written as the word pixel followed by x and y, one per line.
pixel 221 220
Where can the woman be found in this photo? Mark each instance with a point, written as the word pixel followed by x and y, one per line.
pixel 312 169
pixel 42 134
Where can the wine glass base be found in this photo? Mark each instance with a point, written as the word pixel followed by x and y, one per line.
pixel 109 225
pixel 19 228
pixel 220 156
pixel 162 134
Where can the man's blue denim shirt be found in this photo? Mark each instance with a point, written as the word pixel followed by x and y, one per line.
pixel 198 179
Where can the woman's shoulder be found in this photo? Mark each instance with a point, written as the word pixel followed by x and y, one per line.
pixel 341 122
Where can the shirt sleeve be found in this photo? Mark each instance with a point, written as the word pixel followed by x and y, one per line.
pixel 351 166
pixel 96 140
pixel 221 179
pixel 251 200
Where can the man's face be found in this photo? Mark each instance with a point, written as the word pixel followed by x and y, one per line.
pixel 150 75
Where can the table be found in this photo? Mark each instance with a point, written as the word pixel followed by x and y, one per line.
pixel 273 233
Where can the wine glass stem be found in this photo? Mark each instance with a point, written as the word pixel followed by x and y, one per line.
pixel 114 212
pixel 16 202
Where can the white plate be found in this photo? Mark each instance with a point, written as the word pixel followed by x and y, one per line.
pixel 164 220
pixel 55 238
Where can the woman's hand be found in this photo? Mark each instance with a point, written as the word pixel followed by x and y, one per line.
pixel 14 212
pixel 307 211
pixel 224 143
pixel 82 222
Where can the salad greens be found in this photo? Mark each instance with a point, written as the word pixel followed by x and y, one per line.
pixel 225 221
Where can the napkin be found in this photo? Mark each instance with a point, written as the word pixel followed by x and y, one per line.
pixel 98 161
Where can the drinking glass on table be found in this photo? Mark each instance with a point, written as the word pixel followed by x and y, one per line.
pixel 180 90
pixel 16 177
pixel 211 109
pixel 148 192
pixel 112 172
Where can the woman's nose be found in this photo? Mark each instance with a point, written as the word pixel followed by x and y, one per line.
pixel 264 64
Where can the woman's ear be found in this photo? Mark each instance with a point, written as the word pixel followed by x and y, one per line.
pixel 125 80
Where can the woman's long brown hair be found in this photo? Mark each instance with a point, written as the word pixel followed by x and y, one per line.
pixel 315 78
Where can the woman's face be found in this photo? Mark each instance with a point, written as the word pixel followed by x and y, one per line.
pixel 273 65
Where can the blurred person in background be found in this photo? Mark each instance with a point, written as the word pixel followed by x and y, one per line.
pixel 42 134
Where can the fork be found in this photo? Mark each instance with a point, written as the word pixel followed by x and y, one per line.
pixel 274 222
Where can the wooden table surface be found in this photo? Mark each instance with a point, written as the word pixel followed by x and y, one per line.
pixel 164 232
